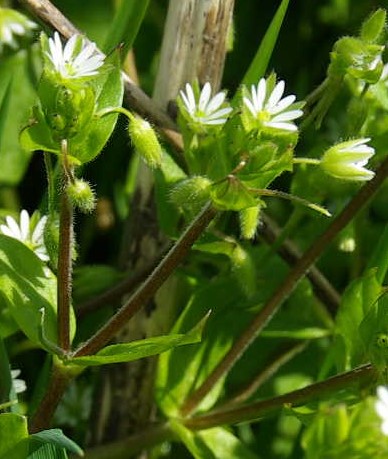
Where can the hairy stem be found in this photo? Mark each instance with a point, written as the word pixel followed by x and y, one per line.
pixel 147 290
pixel 285 289
pixel 59 380
pixel 354 379
pixel 64 285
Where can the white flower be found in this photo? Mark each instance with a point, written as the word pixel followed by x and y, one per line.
pixel 76 59
pixel 269 108
pixel 18 384
pixel 346 160
pixel 31 237
pixel 207 110
pixel 13 25
pixel 381 407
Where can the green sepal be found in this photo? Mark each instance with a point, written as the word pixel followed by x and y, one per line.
pixel 265 162
pixel 231 194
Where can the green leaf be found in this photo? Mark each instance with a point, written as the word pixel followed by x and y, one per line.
pixel 125 25
pixel 165 179
pixel 135 350
pixel 357 300
pixel 27 286
pixel 231 194
pixel 5 380
pixel 212 443
pixel 183 369
pixel 243 267
pixel 17 95
pixel 379 258
pixel 373 27
pixel 13 435
pixel 259 64
pixel 56 438
pixel 48 451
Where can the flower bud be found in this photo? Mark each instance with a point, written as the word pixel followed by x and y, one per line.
pixel 145 141
pixel 191 193
pixel 249 218
pixel 352 56
pixel 346 160
pixel 82 195
pixel 68 108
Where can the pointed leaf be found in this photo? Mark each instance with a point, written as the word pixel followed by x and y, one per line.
pixel 56 438
pixel 259 64
pixel 13 435
pixel 212 443
pixel 135 350
pixel 27 286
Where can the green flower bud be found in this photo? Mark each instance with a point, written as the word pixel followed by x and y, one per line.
pixel 357 58
pixel 145 141
pixel 346 160
pixel 82 195
pixel 68 108
pixel 249 218
pixel 191 193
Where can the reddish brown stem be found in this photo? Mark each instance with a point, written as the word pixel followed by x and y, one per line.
pixel 285 289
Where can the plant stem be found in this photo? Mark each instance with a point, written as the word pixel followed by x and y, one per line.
pixel 121 449
pixel 59 380
pixel 285 289
pixel 313 161
pixel 64 260
pixel 358 377
pixel 147 290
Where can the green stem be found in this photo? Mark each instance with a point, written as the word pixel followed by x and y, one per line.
pixel 291 197
pixel 313 161
pixel 65 259
pixel 285 289
pixel 147 290
pixel 354 379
